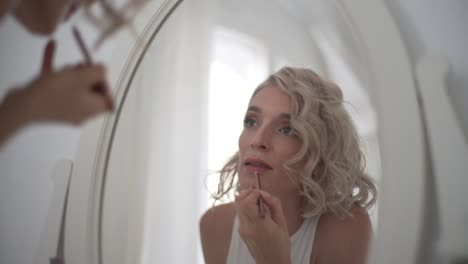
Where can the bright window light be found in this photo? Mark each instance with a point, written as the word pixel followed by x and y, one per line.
pixel 239 63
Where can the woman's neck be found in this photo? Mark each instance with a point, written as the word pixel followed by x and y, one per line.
pixel 292 212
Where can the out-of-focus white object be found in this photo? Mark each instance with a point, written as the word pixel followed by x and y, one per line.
pixel 50 237
pixel 449 159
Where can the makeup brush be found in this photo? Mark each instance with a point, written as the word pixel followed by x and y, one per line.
pixel 81 45
pixel 98 88
pixel 261 206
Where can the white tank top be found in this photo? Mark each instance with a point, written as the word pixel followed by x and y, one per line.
pixel 301 244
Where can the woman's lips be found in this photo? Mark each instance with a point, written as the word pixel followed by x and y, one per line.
pixel 254 169
pixel 256 165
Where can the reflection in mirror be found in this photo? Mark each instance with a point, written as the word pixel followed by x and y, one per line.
pixel 184 113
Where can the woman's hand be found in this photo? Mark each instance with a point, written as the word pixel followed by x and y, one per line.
pixel 72 94
pixel 266 237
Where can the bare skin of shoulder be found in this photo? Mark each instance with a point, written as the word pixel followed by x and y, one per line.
pixel 342 240
pixel 337 240
pixel 215 232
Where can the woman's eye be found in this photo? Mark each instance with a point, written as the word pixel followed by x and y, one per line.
pixel 249 122
pixel 288 131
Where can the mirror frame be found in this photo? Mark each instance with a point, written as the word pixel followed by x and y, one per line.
pixel 400 133
pixel 400 139
pixel 84 217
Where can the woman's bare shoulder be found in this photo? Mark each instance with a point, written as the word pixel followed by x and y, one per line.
pixel 219 216
pixel 359 219
pixel 215 232
pixel 343 239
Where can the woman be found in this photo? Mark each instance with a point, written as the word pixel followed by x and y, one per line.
pixel 301 142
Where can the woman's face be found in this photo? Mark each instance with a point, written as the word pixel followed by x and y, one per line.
pixel 267 142
pixel 43 16
pixel 7 5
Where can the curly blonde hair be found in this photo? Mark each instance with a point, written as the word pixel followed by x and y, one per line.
pixel 333 178
pixel 112 18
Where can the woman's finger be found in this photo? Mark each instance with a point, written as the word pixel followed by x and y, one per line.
pixel 242 194
pixel 95 104
pixel 248 206
pixel 275 210
pixel 79 66
pixel 95 75
pixel 48 57
pixel 108 97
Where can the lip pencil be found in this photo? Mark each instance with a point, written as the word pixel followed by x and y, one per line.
pixel 99 87
pixel 260 200
pixel 82 46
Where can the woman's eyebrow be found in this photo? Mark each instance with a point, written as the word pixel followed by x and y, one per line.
pixel 254 108
pixel 285 116
pixel 257 109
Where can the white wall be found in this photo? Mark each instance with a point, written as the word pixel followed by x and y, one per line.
pixel 299 51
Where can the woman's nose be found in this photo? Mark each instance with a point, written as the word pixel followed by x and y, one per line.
pixel 261 140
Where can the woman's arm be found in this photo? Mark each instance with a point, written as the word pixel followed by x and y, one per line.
pixel 14 113
pixel 215 233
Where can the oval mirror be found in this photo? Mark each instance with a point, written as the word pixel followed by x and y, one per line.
pixel 182 93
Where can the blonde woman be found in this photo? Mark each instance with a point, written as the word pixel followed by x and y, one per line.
pixel 300 141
